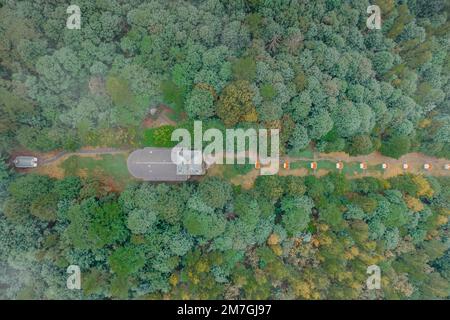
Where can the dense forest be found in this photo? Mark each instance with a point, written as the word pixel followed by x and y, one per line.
pixel 309 68
pixel 312 69
pixel 289 237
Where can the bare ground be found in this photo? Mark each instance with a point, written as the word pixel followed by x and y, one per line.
pixel 161 120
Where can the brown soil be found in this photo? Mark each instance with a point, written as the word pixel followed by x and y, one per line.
pixel 161 120
pixel 247 180
pixel 112 185
pixel 215 170
pixel 52 170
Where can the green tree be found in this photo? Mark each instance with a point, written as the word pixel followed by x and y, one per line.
pixel 140 221
pixel 108 225
pixel 269 187
pixel 346 119
pixel 319 124
pixel 299 139
pixel 396 146
pixel 207 225
pixel 300 106
pixel 215 192
pixel 296 213
pixel 360 144
pixel 126 260
pixel 45 207
pixel 244 69
pixel 200 104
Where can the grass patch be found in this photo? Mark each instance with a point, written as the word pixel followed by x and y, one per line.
pixel 105 167
pixel 307 153
pixel 350 168
pixel 158 137
pixel 300 165
pixel 377 168
pixel 326 165
pixel 231 171
pixel 175 116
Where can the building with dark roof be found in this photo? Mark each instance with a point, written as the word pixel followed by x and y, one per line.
pixel 155 164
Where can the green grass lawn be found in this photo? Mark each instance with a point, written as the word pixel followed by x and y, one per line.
pixel 158 137
pixel 327 165
pixel 231 171
pixel 375 168
pixel 299 165
pixel 350 168
pixel 106 166
pixel 307 153
pixel 176 116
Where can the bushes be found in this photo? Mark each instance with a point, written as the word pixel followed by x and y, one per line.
pixel 159 137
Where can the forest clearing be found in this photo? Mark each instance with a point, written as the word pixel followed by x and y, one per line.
pixel 113 169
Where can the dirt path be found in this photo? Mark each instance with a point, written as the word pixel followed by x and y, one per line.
pixel 87 151
pixel 415 163
pixel 49 164
pixel 110 171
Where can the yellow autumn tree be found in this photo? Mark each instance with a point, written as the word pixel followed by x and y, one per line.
pixel 424 188
pixel 414 204
pixel 441 220
pixel 273 239
pixel 302 289
pixel 173 279
pixel 236 104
